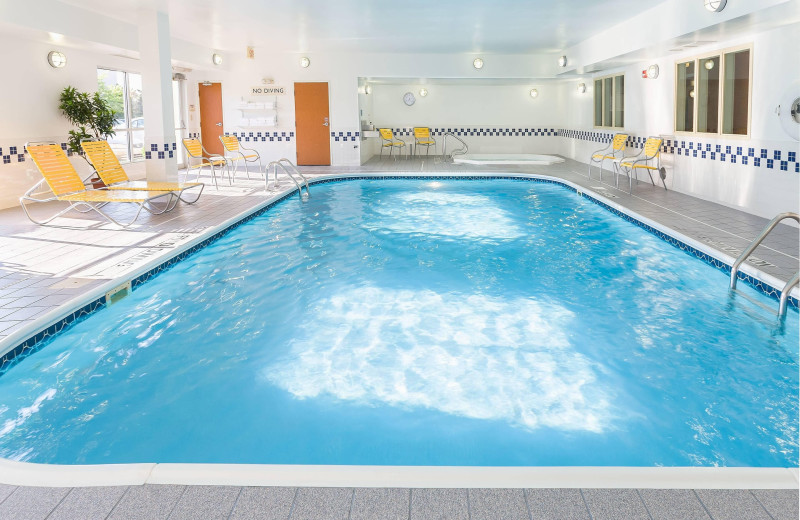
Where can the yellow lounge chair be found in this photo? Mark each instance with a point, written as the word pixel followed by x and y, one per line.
pixel 649 161
pixel 195 150
pixel 109 169
pixel 422 137
pixel 617 146
pixel 66 185
pixel 388 140
pixel 236 151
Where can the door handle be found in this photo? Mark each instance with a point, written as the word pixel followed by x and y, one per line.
pixel 219 124
pixel 326 122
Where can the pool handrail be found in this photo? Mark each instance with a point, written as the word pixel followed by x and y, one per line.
pixel 458 151
pixel 281 163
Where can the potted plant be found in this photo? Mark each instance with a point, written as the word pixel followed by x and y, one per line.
pixel 91 114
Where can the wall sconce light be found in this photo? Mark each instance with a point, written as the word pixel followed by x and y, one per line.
pixel 709 64
pixel 562 61
pixel 715 6
pixel 423 92
pixel 652 71
pixel 534 93
pixel 56 59
pixel 581 88
pixel 691 93
pixel 362 89
pixel 477 63
pixel 368 89
pixel 216 59
pixel 305 62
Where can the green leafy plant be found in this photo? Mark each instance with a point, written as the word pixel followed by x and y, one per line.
pixel 92 115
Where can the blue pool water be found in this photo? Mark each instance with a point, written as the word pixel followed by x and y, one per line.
pixel 417 322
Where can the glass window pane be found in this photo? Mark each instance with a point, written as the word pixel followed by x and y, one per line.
pixel 110 86
pixel 619 101
pixel 708 95
pixel 137 144
pixel 135 98
pixel 607 101
pixel 736 92
pixel 598 103
pixel 684 102
pixel 119 144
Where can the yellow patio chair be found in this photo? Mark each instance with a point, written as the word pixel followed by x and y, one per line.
pixel 614 151
pixel 649 161
pixel 107 166
pixel 196 150
pixel 422 137
pixel 66 185
pixel 388 140
pixel 236 151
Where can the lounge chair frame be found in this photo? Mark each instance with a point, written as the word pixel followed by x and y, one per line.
pixel 614 150
pixel 389 140
pixel 422 137
pixel 648 159
pixel 233 146
pixel 211 160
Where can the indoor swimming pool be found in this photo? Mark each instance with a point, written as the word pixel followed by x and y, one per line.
pixel 492 322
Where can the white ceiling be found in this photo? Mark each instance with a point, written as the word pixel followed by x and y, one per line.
pixel 411 26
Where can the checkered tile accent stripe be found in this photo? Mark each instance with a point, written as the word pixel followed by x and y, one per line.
pixel 167 151
pixel 262 136
pixel 483 131
pixel 345 136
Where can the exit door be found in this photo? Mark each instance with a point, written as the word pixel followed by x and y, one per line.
pixel 211 128
pixel 313 124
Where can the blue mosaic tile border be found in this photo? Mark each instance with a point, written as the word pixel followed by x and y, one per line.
pixel 345 136
pixel 262 136
pixel 168 151
pixel 40 339
pixel 483 131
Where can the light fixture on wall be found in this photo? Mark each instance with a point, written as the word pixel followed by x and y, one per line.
pixel 534 93
pixel 477 63
pixel 423 92
pixel 56 59
pixel 216 59
pixel 562 61
pixel 691 93
pixel 652 71
pixel 715 6
pixel 709 64
pixel 305 62
pixel 368 89
pixel 362 89
pixel 581 88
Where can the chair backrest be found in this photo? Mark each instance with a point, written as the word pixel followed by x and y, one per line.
pixel 619 142
pixel 230 142
pixel 56 169
pixel 193 147
pixel 421 132
pixel 652 147
pixel 105 162
pixel 386 133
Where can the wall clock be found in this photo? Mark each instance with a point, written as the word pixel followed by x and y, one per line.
pixel 409 99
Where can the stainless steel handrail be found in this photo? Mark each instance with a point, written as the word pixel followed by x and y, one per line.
pixel 760 238
pixel 297 171
pixel 459 151
pixel 280 163
pixel 785 293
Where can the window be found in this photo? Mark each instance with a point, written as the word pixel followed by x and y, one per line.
pixel 712 93
pixel 123 92
pixel 609 101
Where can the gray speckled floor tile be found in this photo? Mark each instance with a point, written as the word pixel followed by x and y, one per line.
pixel 673 504
pixel 782 504
pixel 732 504
pixel 553 504
pixel 147 502
pixel 205 503
pixel 264 503
pixel 322 504
pixel 433 504
pixel 380 504
pixel 31 503
pixel 497 504
pixel 615 504
pixel 5 491
pixel 88 503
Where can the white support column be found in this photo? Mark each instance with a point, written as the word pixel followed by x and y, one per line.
pixel 156 60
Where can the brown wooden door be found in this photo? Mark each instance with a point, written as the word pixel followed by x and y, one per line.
pixel 211 117
pixel 313 124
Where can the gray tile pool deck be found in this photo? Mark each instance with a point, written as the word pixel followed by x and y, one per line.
pixel 43 268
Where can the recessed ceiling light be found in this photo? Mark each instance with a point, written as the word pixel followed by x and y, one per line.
pixel 715 6
pixel 562 61
pixel 477 63
pixel 56 59
pixel 216 59
pixel 305 62
pixel 534 93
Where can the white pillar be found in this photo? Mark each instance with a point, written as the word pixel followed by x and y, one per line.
pixel 159 125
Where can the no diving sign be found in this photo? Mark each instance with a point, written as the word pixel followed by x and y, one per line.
pixel 268 91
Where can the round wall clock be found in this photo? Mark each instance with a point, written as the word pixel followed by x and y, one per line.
pixel 409 99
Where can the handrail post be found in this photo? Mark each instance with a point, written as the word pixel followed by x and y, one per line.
pixel 785 293
pixel 755 243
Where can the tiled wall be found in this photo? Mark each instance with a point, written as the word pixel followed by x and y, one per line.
pixel 167 151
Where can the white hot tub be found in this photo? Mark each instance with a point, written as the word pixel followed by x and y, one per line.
pixel 507 158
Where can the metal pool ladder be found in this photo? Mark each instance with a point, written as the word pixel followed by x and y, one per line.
pixel 290 172
pixel 458 151
pixel 793 281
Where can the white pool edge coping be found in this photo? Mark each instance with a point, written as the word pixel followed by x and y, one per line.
pixel 54 475
pixel 466 159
